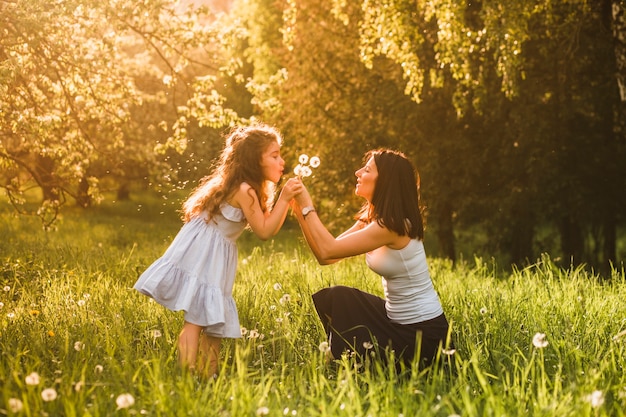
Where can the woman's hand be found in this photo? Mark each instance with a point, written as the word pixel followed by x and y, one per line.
pixel 304 198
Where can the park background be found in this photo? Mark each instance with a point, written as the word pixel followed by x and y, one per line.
pixel 513 111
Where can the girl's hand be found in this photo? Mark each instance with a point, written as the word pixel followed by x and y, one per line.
pixel 292 187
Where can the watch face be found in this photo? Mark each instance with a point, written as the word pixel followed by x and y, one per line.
pixel 306 210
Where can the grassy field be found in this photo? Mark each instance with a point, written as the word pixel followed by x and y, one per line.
pixel 77 340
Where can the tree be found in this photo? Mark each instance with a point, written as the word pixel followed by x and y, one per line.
pixel 79 82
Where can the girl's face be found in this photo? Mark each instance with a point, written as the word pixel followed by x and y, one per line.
pixel 366 180
pixel 272 164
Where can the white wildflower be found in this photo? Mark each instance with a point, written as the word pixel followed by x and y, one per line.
pixel 32 379
pixel 49 394
pixel 539 340
pixel 596 399
pixel 15 405
pixel 124 401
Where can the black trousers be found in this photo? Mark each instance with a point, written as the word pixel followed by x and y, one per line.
pixel 357 321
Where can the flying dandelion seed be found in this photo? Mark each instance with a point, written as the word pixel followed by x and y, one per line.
pixel 124 401
pixel 32 379
pixel 15 405
pixel 539 340
pixel 596 399
pixel 49 394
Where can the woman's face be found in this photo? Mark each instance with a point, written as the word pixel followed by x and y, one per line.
pixel 366 180
pixel 272 164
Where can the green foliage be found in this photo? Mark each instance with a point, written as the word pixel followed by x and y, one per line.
pixel 92 94
pixel 69 314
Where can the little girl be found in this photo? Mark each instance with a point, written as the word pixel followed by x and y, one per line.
pixel 196 273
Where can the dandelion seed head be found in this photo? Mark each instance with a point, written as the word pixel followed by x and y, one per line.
pixel 15 405
pixel 49 394
pixel 155 333
pixel 539 340
pixel 448 352
pixel 32 379
pixel 78 346
pixel 483 310
pixel 124 401
pixel 596 399
pixel 98 369
pixel 314 162
pixel 303 159
pixel 368 345
pixel 7 288
pixel 262 411
pixel 11 315
pixel 79 386
pixel 324 347
pixel 81 303
pixel 277 287
pixel 1 304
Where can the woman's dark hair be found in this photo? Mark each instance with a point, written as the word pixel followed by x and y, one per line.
pixel 395 203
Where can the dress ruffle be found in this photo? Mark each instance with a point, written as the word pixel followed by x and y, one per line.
pixel 196 273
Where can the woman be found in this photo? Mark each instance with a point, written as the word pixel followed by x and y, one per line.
pixel 389 230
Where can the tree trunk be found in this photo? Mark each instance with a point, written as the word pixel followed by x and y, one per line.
pixel 445 231
pixel 43 174
pixel 522 233
pixel 572 241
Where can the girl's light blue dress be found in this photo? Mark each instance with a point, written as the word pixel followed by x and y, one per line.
pixel 197 272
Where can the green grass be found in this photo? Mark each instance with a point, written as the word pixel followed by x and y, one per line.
pixel 69 313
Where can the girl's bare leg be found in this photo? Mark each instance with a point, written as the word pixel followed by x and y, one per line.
pixel 209 354
pixel 188 346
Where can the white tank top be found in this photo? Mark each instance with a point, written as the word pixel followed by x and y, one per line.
pixel 409 293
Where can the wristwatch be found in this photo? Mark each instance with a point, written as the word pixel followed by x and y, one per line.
pixel 306 210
